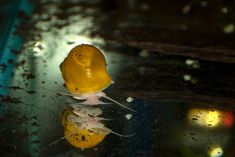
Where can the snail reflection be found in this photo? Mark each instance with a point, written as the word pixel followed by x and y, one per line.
pixel 84 127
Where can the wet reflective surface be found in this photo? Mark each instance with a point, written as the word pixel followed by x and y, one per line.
pixel 185 106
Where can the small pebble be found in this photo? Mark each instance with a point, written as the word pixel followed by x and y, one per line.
pixel 204 3
pixel 189 61
pixel 187 77
pixel 185 10
pixel 128 116
pixel 229 28
pixel 193 63
pixel 144 54
pixel 224 10
pixel 129 99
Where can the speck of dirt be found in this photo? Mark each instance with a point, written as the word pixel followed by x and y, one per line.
pixel 194 138
pixel 36 141
pixel 16 52
pixel 28 76
pixel 15 88
pixel 12 75
pixel 31 92
pixel 11 87
pixel 70 42
pixel 83 138
pixel 21 119
pixel 10 61
pixel 18 88
pixel 22 15
pixel 194 118
pixel 58 94
pixel 192 133
pixel 34 133
pixel 40 47
pixel 35 124
pixel 6 99
pixel 21 63
pixel 3 67
pixel 34 117
pixel 22 135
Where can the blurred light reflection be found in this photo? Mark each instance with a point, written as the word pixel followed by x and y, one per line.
pixel 228 119
pixel 210 117
pixel 192 63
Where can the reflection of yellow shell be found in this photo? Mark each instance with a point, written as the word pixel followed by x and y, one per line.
pixel 81 138
pixel 84 70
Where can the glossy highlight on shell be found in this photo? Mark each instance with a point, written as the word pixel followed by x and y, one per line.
pixel 84 70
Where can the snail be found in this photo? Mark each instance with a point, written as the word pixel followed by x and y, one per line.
pixel 85 75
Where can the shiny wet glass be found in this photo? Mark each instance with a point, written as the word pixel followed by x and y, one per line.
pixel 184 106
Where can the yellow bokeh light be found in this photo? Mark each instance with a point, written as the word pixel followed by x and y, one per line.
pixel 212 118
pixel 215 151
